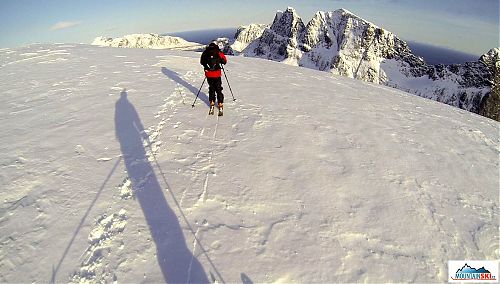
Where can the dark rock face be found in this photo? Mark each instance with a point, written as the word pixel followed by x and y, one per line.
pixel 288 24
pixel 490 105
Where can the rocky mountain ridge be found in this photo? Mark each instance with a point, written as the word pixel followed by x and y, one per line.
pixel 153 41
pixel 345 44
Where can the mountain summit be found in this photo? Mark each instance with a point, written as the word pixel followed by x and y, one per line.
pixel 342 43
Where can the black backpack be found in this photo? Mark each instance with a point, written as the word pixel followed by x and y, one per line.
pixel 212 58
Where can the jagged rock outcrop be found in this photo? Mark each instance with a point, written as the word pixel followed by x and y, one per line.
pixel 491 103
pixel 280 41
pixel 345 44
pixel 153 41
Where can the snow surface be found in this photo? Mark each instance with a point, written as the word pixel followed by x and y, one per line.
pixel 108 174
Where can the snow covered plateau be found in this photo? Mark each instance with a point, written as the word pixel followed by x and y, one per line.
pixel 109 175
pixel 153 41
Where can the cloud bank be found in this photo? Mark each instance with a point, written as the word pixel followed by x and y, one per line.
pixel 64 25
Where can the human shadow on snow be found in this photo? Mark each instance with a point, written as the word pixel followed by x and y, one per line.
pixel 245 279
pixel 176 261
pixel 175 76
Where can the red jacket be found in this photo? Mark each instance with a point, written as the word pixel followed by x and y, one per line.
pixel 214 73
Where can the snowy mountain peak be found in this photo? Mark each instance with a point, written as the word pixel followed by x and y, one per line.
pixel 288 23
pixel 342 43
pixel 244 36
pixel 490 105
pixel 153 41
pixel 492 59
pixel 347 13
pixel 290 9
pixel 343 13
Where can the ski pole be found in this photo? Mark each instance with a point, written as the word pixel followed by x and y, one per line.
pixel 199 92
pixel 228 83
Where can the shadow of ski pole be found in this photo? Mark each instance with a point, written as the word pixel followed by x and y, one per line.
pixel 175 76
pixel 56 269
pixel 185 219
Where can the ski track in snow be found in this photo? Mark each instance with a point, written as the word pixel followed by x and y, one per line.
pixel 202 165
pixel 92 267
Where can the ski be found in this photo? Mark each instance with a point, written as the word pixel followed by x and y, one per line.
pixel 221 113
pixel 211 111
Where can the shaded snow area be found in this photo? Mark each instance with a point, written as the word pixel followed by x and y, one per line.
pixel 108 174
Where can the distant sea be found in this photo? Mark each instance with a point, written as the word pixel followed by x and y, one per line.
pixel 440 55
pixel 431 54
pixel 205 36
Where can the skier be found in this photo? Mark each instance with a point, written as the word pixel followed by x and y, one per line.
pixel 211 59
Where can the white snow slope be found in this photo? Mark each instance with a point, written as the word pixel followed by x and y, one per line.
pixel 153 41
pixel 308 177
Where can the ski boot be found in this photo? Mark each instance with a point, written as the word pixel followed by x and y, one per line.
pixel 212 107
pixel 221 109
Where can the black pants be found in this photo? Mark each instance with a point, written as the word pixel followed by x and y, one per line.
pixel 215 86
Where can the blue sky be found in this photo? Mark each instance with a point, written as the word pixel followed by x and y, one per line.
pixel 467 25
